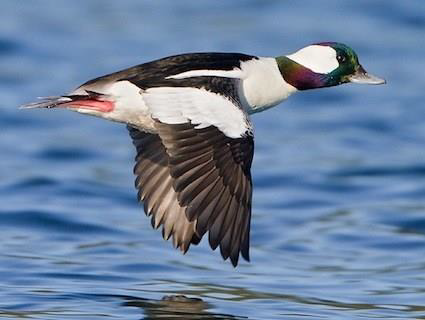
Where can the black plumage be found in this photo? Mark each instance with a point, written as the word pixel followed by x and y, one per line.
pixel 169 66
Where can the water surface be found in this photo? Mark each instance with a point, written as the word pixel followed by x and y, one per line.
pixel 338 229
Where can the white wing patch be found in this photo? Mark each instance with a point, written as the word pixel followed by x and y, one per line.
pixel 319 59
pixel 235 73
pixel 203 108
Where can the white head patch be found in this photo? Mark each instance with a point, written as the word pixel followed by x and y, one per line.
pixel 319 59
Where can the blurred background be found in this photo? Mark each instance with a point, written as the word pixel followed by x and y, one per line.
pixel 338 228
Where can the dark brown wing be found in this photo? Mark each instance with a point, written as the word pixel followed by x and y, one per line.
pixel 197 180
pixel 155 185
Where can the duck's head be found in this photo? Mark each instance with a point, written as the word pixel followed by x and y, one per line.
pixel 324 64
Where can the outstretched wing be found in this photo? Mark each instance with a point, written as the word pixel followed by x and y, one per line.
pixel 193 172
pixel 155 185
pixel 196 180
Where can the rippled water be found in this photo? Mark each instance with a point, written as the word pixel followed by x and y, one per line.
pixel 338 229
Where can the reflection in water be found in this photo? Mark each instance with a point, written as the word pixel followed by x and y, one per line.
pixel 175 307
pixel 169 307
pixel 182 307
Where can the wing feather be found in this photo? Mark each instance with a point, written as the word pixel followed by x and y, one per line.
pixel 195 180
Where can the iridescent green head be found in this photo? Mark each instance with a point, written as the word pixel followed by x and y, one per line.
pixel 324 64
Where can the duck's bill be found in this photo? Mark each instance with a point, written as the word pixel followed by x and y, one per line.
pixel 362 77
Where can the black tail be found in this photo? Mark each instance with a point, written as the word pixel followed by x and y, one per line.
pixel 51 102
pixel 47 102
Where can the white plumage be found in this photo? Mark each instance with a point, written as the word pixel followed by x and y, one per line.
pixel 198 106
pixel 317 58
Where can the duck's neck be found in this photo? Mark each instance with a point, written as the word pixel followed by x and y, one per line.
pixel 263 85
pixel 299 76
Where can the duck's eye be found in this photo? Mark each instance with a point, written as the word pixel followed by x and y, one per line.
pixel 341 58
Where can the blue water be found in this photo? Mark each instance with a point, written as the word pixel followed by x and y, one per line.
pixel 338 228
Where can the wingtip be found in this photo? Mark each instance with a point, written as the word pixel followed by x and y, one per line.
pixel 234 260
pixel 245 254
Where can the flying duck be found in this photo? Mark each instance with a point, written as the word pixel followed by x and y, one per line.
pixel 189 118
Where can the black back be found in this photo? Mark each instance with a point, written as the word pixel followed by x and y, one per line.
pixel 156 72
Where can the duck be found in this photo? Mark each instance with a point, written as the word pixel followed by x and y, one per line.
pixel 189 118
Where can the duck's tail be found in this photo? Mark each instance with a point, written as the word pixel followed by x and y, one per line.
pixel 47 102
pixel 55 101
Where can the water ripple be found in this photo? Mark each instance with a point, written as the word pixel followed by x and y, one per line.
pixel 338 228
